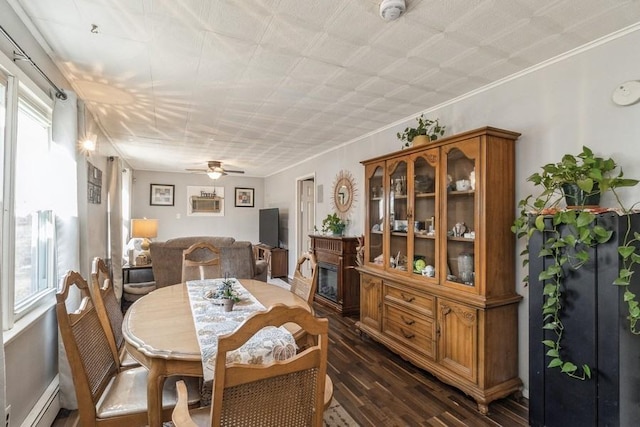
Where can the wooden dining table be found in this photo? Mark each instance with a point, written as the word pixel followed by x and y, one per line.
pixel 159 333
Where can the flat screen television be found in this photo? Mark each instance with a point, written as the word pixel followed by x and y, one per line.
pixel 269 227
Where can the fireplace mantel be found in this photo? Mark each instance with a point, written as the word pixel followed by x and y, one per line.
pixel 338 281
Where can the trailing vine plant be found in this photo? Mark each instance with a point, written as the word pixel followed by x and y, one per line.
pixel 568 235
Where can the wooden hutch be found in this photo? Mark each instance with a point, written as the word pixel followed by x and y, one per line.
pixel 438 281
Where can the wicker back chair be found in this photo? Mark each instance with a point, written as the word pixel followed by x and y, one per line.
pixel 105 396
pixel 109 311
pixel 290 392
pixel 303 286
pixel 200 261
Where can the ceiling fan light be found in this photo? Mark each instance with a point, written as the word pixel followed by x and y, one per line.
pixel 214 174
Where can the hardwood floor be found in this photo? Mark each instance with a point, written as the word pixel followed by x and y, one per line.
pixel 378 388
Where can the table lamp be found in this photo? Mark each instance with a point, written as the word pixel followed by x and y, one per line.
pixel 146 229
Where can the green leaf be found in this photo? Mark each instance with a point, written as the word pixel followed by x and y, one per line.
pixel 629 296
pixel 554 363
pixel 553 353
pixel 587 370
pixel 621 282
pixel 585 218
pixel 549 289
pixel 625 251
pixel 549 343
pixel 624 273
pixel 569 367
pixel 540 222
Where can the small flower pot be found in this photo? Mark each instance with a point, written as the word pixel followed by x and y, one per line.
pixel 420 140
pixel 228 305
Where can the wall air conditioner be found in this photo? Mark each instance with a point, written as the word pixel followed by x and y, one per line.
pixel 205 204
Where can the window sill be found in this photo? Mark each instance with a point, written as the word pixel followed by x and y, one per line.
pixel 26 321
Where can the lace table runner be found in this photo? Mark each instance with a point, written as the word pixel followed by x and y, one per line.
pixel 211 321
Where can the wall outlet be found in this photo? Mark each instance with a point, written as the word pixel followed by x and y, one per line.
pixel 7 412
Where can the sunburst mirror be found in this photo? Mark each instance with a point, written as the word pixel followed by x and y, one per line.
pixel 344 194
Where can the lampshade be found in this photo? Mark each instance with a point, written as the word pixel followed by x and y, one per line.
pixel 145 228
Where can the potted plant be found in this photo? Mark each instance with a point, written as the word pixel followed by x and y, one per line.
pixel 227 294
pixel 427 130
pixel 568 234
pixel 334 224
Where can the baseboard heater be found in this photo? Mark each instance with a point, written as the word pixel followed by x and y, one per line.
pixel 46 409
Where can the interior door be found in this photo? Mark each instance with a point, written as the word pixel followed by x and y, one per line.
pixel 306 217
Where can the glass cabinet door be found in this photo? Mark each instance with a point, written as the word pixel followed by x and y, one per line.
pixel 375 214
pixel 425 213
pixel 460 210
pixel 398 221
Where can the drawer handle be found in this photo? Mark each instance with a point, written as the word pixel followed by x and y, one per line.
pixel 407 335
pixel 407 322
pixel 406 298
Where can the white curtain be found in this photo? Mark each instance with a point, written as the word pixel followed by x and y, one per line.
pixel 116 223
pixel 3 381
pixel 67 228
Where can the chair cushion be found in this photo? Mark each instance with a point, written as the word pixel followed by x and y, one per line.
pixel 141 288
pixel 126 393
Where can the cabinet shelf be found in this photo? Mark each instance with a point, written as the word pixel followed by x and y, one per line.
pixel 461 239
pixel 424 236
pixel 460 331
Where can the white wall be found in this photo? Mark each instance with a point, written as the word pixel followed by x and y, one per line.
pixel 557 108
pixel 240 223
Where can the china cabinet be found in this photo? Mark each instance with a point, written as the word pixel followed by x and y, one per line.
pixel 438 282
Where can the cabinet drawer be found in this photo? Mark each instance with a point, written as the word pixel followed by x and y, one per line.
pixel 421 303
pixel 409 328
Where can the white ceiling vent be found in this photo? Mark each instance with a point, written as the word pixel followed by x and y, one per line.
pixel 392 9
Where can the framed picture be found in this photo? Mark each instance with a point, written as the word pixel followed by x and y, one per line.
pixel 244 197
pixel 162 195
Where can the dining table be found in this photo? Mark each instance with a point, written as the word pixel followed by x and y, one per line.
pixel 160 334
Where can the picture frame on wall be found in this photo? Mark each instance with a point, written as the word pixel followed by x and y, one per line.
pixel 244 197
pixel 162 195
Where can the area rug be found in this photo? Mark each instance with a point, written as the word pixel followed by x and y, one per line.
pixel 334 416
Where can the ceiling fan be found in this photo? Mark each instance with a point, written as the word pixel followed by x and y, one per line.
pixel 215 170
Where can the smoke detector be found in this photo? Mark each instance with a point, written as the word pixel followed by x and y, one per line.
pixel 391 10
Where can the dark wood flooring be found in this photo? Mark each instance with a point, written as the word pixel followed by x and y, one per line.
pixel 378 388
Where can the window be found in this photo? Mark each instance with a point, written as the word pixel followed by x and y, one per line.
pixel 28 221
pixel 33 218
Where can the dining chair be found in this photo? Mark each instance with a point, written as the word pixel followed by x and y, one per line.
pixel 305 287
pixel 109 311
pixel 200 261
pixel 106 397
pixel 289 392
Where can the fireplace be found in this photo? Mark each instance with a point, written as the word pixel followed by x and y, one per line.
pixel 328 281
pixel 338 281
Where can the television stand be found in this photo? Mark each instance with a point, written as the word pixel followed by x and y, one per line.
pixel 277 259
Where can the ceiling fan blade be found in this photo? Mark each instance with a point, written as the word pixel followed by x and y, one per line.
pixel 231 171
pixel 197 170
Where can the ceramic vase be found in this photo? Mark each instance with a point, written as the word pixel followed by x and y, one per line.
pixel 420 140
pixel 228 305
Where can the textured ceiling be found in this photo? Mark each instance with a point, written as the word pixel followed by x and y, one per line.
pixel 264 84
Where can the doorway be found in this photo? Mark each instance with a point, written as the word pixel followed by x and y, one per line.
pixel 306 216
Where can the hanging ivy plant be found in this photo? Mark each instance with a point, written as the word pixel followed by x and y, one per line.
pixel 568 234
